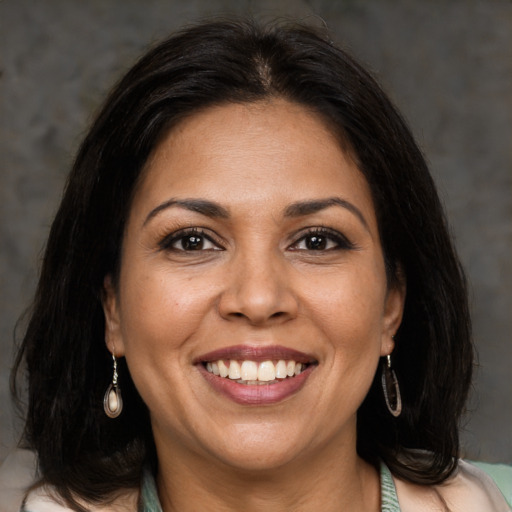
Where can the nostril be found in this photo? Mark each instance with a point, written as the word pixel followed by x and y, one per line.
pixel 278 315
pixel 257 305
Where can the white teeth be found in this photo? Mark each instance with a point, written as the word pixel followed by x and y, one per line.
pixel 266 371
pixel 256 382
pixel 234 370
pixel 223 369
pixel 252 373
pixel 249 370
pixel 281 370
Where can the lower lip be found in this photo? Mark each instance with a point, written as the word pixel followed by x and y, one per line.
pixel 257 395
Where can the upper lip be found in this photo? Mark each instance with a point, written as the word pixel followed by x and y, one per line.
pixel 256 353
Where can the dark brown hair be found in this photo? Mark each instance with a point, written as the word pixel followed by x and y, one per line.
pixel 81 451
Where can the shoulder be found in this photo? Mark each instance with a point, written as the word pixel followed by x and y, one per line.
pixel 473 488
pixel 43 499
pixel 18 473
pixel 501 474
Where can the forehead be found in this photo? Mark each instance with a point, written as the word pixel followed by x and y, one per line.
pixel 266 153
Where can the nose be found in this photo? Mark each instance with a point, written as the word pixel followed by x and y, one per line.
pixel 259 291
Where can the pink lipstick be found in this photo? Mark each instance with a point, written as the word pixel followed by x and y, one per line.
pixel 256 375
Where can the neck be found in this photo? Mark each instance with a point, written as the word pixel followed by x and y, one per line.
pixel 330 480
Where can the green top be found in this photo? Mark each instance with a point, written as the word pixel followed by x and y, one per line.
pixel 388 495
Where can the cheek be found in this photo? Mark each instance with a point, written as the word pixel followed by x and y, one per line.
pixel 162 308
pixel 348 303
pixel 160 313
pixel 350 314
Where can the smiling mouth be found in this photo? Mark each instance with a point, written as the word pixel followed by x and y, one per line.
pixel 256 373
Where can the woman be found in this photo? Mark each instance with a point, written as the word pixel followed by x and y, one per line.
pixel 249 297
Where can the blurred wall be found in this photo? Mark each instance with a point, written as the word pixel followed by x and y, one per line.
pixel 447 64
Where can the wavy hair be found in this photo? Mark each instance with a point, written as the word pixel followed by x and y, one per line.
pixel 84 454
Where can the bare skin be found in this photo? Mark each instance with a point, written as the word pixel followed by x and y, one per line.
pixel 252 228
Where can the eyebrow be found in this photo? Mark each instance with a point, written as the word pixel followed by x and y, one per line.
pixel 298 209
pixel 302 208
pixel 202 206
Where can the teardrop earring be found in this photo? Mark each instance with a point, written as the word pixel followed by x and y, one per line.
pixel 112 401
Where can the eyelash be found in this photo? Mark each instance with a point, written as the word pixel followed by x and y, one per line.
pixel 341 242
pixel 168 241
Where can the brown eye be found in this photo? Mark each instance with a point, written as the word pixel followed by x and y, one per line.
pixel 191 243
pixel 316 242
pixel 322 239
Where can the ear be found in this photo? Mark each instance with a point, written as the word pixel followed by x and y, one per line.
pixel 113 332
pixel 393 312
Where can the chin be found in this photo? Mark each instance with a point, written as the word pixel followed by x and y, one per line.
pixel 258 448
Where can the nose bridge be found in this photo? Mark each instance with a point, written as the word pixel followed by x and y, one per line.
pixel 258 288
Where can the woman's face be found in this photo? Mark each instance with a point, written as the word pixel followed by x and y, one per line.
pixel 252 250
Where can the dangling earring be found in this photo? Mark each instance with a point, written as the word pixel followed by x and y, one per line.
pixel 391 389
pixel 112 401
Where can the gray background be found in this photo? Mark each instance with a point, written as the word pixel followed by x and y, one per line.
pixel 447 64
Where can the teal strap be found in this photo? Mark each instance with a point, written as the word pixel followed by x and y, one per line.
pixel 389 498
pixel 149 501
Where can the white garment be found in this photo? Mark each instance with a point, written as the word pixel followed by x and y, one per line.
pixel 469 490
